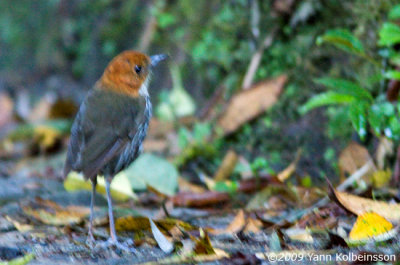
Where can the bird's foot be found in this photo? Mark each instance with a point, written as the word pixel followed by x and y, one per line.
pixel 126 246
pixel 90 241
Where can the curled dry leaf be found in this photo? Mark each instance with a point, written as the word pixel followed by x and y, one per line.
pixel 253 226
pixel 49 212
pixel 18 225
pixel 289 170
pixel 237 224
pixel 234 227
pixel 203 244
pixel 359 206
pixel 162 241
pixel 248 104
pixel 353 157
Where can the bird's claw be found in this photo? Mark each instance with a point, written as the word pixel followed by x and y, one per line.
pixel 126 246
pixel 90 241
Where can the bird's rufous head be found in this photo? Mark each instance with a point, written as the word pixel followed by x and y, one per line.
pixel 128 73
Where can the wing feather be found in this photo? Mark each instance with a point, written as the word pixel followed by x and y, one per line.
pixel 99 136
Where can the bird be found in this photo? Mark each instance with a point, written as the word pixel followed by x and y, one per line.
pixel 111 124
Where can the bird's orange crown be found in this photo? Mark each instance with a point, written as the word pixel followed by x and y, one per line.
pixel 126 73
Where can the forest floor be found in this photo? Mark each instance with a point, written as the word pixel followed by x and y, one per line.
pixel 234 236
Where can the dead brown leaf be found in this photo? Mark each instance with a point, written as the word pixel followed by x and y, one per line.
pixel 18 225
pixel 189 199
pixel 49 212
pixel 234 227
pixel 237 223
pixel 289 170
pixel 186 186
pixel 248 104
pixel 353 157
pixel 227 166
pixel 324 218
pixel 359 205
pixel 203 244
pixel 253 225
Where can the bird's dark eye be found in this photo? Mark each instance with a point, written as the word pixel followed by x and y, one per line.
pixel 138 69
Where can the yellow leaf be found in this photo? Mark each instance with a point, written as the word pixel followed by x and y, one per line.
pixel 140 223
pixel 120 186
pixel 49 212
pixel 369 226
pixel 132 223
pixel 46 137
pixel 381 178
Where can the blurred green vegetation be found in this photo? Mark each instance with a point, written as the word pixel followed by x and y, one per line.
pixel 368 104
pixel 212 43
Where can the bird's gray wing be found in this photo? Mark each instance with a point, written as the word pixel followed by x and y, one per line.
pixel 103 127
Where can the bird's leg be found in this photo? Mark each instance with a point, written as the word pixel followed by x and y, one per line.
pixel 91 239
pixel 110 210
pixel 113 241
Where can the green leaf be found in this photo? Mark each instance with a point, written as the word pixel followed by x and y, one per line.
pixel 324 99
pixel 392 74
pixel 201 131
pixel 358 116
pixel 226 186
pixel 154 171
pixel 345 87
pixel 387 109
pixel 343 39
pixel 19 261
pixel 375 119
pixel 395 12
pixel 165 20
pixel 394 126
pixel 389 34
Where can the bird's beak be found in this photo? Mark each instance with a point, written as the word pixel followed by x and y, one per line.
pixel 155 59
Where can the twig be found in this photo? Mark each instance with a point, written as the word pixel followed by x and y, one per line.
pixel 356 176
pixel 256 59
pixel 347 183
pixel 205 112
pixel 150 28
